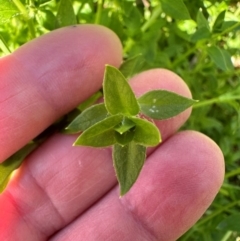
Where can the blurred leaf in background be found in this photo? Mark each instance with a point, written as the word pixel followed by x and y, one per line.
pixel 65 14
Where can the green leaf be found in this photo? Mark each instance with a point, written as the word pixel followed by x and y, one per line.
pixel 118 95
pixel 87 118
pixel 201 33
pixel 230 26
pixel 145 132
pixel 125 131
pixel 203 30
pixel 217 26
pixel 230 223
pixel 128 162
pixel 125 125
pixel 221 58
pixel 47 19
pixel 8 10
pixel 125 137
pixel 12 163
pixel 176 9
pixel 131 16
pixel 101 134
pixel 3 45
pixel 131 66
pixel 202 21
pixel 163 104
pixel 65 15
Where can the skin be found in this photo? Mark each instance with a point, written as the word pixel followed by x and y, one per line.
pixel 71 193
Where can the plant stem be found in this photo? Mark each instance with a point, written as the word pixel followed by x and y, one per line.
pixel 232 173
pixel 206 219
pixel 182 57
pixel 227 236
pixel 206 102
pixel 228 29
pixel 155 14
pixel 220 99
pixel 128 44
pixel 99 12
pixel 4 46
pixel 26 17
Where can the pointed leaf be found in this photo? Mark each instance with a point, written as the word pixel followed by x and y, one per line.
pixel 47 19
pixel 202 21
pixel 65 15
pixel 176 9
pixel 163 104
pixel 203 31
pixel 145 132
pixel 118 95
pixel 87 118
pixel 125 125
pixel 125 131
pixel 217 26
pixel 101 134
pixel 12 163
pixel 131 66
pixel 221 58
pixel 128 162
pixel 124 138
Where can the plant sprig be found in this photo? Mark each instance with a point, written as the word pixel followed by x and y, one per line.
pixel 117 123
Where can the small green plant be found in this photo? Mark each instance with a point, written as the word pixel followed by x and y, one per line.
pixel 118 122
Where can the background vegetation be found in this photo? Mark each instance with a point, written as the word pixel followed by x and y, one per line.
pixel 199 40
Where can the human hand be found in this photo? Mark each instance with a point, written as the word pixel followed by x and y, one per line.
pixel 70 193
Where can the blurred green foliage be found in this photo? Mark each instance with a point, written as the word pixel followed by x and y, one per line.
pixel 199 40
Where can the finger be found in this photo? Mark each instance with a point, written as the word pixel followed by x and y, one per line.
pixel 48 77
pixel 56 181
pixel 64 180
pixel 176 186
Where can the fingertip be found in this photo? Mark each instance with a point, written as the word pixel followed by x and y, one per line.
pixel 159 79
pixel 177 184
pixel 49 76
pixel 70 48
pixel 213 156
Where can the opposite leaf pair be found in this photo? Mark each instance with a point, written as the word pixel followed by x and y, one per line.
pixel 116 122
